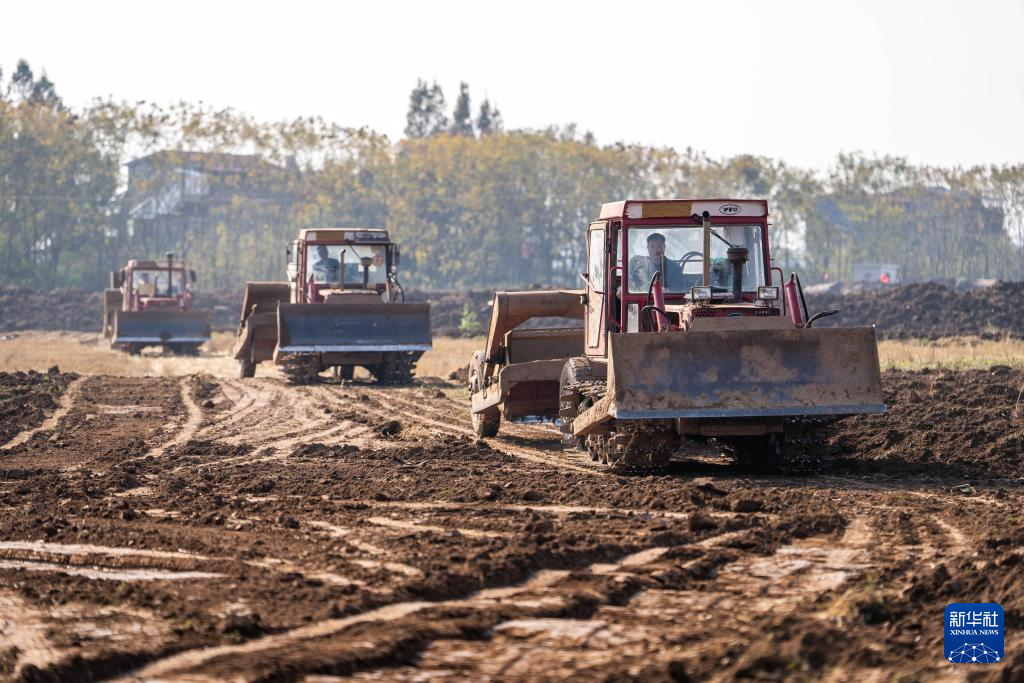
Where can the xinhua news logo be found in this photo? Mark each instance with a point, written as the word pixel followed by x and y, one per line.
pixel 974 633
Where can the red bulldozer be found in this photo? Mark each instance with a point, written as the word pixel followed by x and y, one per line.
pixel 687 337
pixel 342 307
pixel 149 303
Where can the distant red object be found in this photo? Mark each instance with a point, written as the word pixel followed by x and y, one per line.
pixel 884 277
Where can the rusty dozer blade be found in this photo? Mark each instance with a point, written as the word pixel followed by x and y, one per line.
pixel 737 374
pixel 326 328
pixel 161 327
pixel 263 297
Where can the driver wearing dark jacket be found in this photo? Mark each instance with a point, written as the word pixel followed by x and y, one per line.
pixel 643 268
pixel 325 270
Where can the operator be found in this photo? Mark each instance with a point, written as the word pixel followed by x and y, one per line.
pixel 377 267
pixel 325 271
pixel 721 273
pixel 643 268
pixel 145 286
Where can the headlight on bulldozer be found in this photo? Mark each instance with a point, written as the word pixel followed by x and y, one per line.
pixel 700 293
pixel 768 293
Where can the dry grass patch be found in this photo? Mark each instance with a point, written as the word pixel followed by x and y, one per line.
pixel 221 342
pixel 448 355
pixel 88 354
pixel 953 353
pixel 79 352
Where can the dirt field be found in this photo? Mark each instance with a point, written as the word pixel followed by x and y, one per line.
pixel 189 526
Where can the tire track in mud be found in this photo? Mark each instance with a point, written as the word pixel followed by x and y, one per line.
pixel 346 534
pixel 23 630
pixel 65 403
pixel 106 418
pixel 189 666
pixel 442 407
pixel 267 410
pixel 747 593
pixel 248 400
pixel 558 509
pixel 291 417
pixel 187 429
pixel 535 610
pixel 452 412
pixel 555 457
pixel 273 418
pixel 40 641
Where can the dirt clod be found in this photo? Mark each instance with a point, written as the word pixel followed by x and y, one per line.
pixel 747 505
pixel 390 428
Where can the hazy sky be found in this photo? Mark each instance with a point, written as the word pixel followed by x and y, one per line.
pixel 939 81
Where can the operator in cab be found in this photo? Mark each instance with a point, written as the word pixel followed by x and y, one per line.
pixel 642 268
pixel 721 273
pixel 326 269
pixel 146 287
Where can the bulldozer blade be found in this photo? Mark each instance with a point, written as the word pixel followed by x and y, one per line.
pixel 257 330
pixel 161 327
pixel 327 328
pixel 738 374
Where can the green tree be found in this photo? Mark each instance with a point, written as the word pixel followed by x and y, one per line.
pixel 426 115
pixel 489 119
pixel 462 116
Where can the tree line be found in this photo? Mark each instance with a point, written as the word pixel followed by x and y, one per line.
pixel 474 205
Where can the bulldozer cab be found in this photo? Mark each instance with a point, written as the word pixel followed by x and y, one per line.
pixel 330 261
pixel 350 265
pixel 677 252
pixel 154 283
pixel 600 283
pixel 636 239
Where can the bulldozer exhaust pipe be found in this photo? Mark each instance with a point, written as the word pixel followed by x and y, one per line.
pixel 737 257
pixel 170 271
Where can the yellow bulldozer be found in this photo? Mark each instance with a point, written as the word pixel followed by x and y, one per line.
pixel 686 336
pixel 342 307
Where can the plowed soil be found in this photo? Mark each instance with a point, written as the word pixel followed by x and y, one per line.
pixel 204 528
pixel 928 310
pixel 27 397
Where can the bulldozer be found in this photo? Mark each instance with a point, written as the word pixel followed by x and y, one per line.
pixel 341 308
pixel 688 337
pixel 515 376
pixel 149 303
